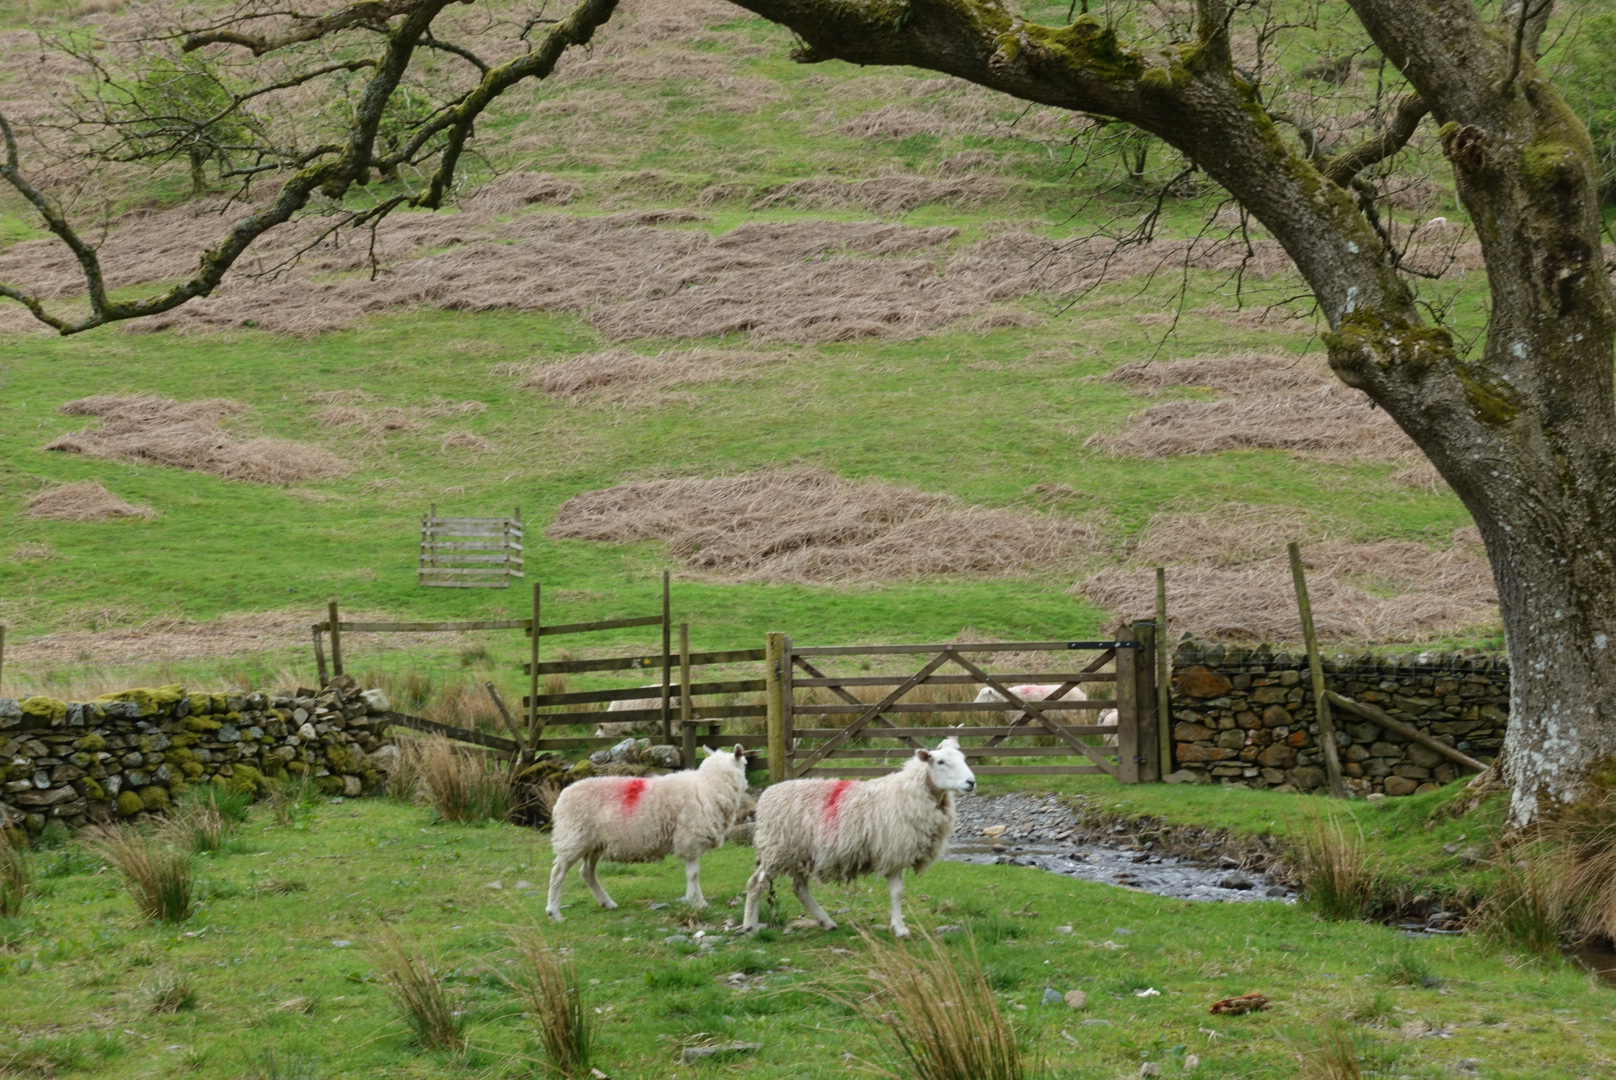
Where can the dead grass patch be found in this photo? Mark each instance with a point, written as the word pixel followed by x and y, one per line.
pixel 190 435
pixel 1269 402
pixel 465 440
pixel 84 501
pixel 1229 577
pixel 517 191
pixel 629 379
pixel 886 194
pixel 807 524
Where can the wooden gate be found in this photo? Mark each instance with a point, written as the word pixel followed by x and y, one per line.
pixel 826 750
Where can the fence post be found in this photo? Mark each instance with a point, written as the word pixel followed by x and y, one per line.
pixel 2 648
pixel 336 640
pixel 686 727
pixel 1164 678
pixel 667 665
pixel 1150 763
pixel 774 654
pixel 533 674
pixel 1127 709
pixel 1327 743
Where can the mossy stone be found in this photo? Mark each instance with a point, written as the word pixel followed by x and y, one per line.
pixel 337 755
pixel 149 700
pixel 200 724
pixel 299 767
pixel 44 709
pixel 130 804
pixel 154 797
pixel 92 743
pixel 331 785
pixel 199 703
pixel 186 738
pixel 246 779
pixel 221 703
pixel 92 789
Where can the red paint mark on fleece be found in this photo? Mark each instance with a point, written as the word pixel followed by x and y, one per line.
pixel 833 801
pixel 631 795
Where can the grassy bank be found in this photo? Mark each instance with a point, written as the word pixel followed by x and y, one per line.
pixel 284 983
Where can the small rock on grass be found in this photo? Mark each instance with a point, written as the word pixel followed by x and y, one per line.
pixel 692 1054
pixel 1052 996
pixel 1076 999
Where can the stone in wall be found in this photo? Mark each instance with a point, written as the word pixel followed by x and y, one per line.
pixel 134 752
pixel 1245 716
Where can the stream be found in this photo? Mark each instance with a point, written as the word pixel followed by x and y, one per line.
pixel 1036 830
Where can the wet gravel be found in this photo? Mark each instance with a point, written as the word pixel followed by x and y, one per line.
pixel 1038 831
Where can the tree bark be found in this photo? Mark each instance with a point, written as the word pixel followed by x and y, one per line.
pixel 1524 432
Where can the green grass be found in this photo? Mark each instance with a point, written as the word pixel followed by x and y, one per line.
pixel 272 981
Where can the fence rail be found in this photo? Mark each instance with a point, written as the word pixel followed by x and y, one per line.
pixel 454 552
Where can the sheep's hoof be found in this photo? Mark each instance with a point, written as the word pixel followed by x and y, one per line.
pixel 610 905
pixel 554 915
pixel 900 931
pixel 828 924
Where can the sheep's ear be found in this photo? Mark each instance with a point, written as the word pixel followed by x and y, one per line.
pixel 949 743
pixel 740 752
pixel 923 755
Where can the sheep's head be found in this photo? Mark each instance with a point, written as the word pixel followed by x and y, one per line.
pixel 947 769
pixel 726 760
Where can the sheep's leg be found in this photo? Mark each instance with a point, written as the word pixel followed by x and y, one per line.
pixel 754 894
pixel 594 883
pixel 799 885
pixel 558 874
pixel 895 891
pixel 693 895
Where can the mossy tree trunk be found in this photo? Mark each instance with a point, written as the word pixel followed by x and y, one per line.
pixel 1523 432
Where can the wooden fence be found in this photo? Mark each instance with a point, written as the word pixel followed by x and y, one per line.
pixel 469 553
pixel 801 735
pixel 878 730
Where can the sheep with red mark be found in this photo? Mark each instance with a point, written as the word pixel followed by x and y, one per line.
pixel 838 830
pixel 641 819
pixel 620 728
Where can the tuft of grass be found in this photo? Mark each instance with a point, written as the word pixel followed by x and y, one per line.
pixel 290 798
pixel 62 1053
pixel 1331 1054
pixel 16 877
pixel 463 787
pixel 404 782
pixel 676 977
pixel 939 1013
pixel 233 806
pixel 168 993
pixel 1408 968
pixel 283 1065
pixel 1529 904
pixel 158 878
pixel 554 1003
pixel 419 993
pixel 1337 877
pixel 198 827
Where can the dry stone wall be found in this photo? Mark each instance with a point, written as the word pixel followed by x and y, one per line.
pixel 1245 716
pixel 133 752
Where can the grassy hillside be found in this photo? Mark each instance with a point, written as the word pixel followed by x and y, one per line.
pixel 698 109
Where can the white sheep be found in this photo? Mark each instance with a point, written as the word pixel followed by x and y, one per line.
pixel 837 830
pixel 1041 692
pixel 636 727
pixel 642 819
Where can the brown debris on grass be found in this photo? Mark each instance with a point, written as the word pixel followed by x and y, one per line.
pixel 517 191
pixel 83 501
pixel 885 194
pixel 807 524
pixel 1269 402
pixel 395 418
pixel 190 435
pixel 1229 577
pixel 465 440
pixel 628 379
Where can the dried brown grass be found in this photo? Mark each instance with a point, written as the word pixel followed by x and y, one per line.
pixel 83 501
pixel 190 435
pixel 629 380
pixel 886 194
pixel 553 1001
pixel 1230 578
pixel 807 524
pixel 465 440
pixel 419 993
pixel 1269 402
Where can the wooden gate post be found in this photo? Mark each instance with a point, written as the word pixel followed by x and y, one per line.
pixel 336 640
pixel 1164 678
pixel 687 729
pixel 1150 763
pixel 774 656
pixel 667 664
pixel 1127 709
pixel 1327 743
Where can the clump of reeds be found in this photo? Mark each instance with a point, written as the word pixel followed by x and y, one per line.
pixel 157 877
pixel 419 993
pixel 1328 1054
pixel 938 1012
pixel 554 1003
pixel 168 993
pixel 462 786
pixel 1531 903
pixel 198 827
pixel 1337 877
pixel 16 876
pixel 404 782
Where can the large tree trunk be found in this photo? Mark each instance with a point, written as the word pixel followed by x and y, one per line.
pixel 1523 432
